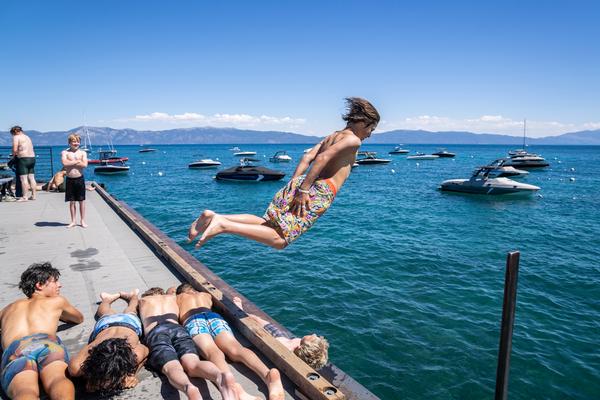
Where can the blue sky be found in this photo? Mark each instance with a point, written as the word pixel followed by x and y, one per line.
pixel 277 65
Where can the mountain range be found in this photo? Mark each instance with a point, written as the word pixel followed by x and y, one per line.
pixel 101 136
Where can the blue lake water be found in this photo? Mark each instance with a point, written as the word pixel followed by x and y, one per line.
pixel 405 281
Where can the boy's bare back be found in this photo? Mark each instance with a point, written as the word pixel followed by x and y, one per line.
pixel 193 302
pixel 158 309
pixel 28 316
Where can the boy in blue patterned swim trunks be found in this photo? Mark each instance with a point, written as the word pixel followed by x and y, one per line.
pixel 213 336
pixel 114 355
pixel 33 352
pixel 318 177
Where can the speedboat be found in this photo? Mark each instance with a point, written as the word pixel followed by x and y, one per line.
pixel 244 153
pixel 204 163
pixel 369 158
pixel 107 168
pixel 399 150
pixel 501 170
pixel 235 148
pixel 423 156
pixel 523 159
pixel 443 153
pixel 146 150
pixel 108 157
pixel 481 183
pixel 280 156
pixel 248 172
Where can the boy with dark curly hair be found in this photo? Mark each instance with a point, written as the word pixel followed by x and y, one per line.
pixel 32 351
pixel 319 175
pixel 114 355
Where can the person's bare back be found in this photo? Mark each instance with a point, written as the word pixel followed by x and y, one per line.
pixel 193 303
pixel 155 309
pixel 24 146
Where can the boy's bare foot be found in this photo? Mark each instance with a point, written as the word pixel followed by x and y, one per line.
pixel 275 386
pixel 128 295
pixel 72 224
pixel 227 386
pixel 242 394
pixel 110 297
pixel 192 392
pixel 32 198
pixel 83 224
pixel 200 224
pixel 215 226
pixel 238 302
pixel 22 199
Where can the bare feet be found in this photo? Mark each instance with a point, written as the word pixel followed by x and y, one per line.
pixel 83 224
pixel 215 226
pixel 238 302
pixel 32 198
pixel 22 199
pixel 227 386
pixel 192 392
pixel 242 394
pixel 110 297
pixel 200 224
pixel 275 386
pixel 72 224
pixel 128 295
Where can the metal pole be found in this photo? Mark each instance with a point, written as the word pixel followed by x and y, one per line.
pixel 508 319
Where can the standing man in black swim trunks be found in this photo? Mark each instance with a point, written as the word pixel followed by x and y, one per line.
pixel 22 149
pixel 75 160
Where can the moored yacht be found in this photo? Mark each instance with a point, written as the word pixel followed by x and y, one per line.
pixel 501 170
pixel 111 168
pixel 280 156
pixel 244 153
pixel 369 158
pixel 443 153
pixel 422 156
pixel 204 163
pixel 481 183
pixel 399 150
pixel 248 172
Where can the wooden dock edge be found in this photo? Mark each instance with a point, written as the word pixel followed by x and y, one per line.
pixel 310 383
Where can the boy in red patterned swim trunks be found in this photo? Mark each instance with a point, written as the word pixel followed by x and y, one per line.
pixel 295 208
pixel 32 351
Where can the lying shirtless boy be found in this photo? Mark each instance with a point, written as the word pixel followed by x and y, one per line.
pixel 32 351
pixel 114 355
pixel 311 349
pixel 172 350
pixel 213 336
pixel 298 205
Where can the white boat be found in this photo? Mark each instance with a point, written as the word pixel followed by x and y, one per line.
pixel 280 156
pixel 244 153
pixel 422 156
pixel 106 168
pixel 481 183
pixel 501 170
pixel 399 150
pixel 521 158
pixel 307 150
pixel 204 163
pixel 235 148
pixel 370 158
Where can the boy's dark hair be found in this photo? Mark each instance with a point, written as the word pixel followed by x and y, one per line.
pixel 184 287
pixel 152 291
pixel 107 366
pixel 37 273
pixel 15 129
pixel 360 110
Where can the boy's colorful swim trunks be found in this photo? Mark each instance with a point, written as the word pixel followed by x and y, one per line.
pixel 290 226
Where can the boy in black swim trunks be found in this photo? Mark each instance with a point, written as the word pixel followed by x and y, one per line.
pixel 75 160
pixel 172 350
pixel 114 355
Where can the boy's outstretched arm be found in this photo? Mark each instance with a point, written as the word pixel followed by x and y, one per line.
pixel 306 159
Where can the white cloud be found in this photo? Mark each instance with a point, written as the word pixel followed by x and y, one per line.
pixel 487 124
pixel 219 120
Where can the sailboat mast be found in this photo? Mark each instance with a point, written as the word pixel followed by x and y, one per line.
pixel 524 131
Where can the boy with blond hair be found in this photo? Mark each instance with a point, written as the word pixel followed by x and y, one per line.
pixel 75 160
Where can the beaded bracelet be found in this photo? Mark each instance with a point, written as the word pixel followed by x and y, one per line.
pixel 303 191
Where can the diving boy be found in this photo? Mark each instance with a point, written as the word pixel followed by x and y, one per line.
pixel 298 205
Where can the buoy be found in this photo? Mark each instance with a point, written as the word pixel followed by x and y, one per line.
pixel 572 179
pixel 572 169
pixel 393 171
pixel 143 162
pixel 160 173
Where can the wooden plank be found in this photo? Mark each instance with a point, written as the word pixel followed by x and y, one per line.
pixel 309 381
